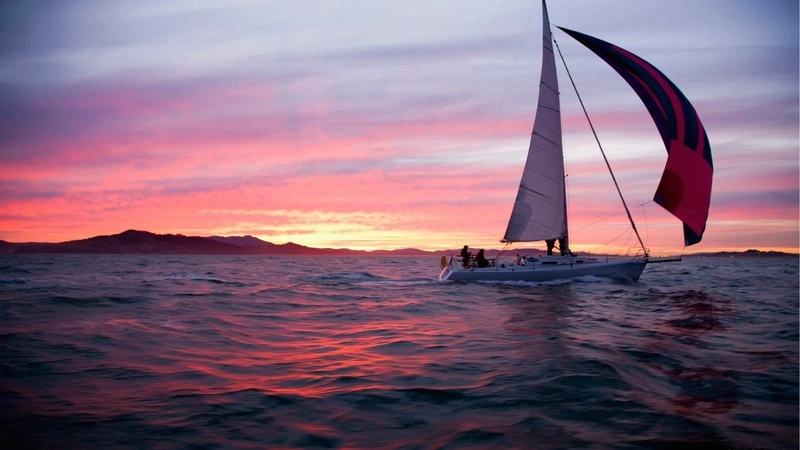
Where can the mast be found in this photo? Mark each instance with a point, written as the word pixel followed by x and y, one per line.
pixel 565 250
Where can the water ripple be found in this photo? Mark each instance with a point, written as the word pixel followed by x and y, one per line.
pixel 229 352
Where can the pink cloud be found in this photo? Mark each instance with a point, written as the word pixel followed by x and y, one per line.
pixel 307 153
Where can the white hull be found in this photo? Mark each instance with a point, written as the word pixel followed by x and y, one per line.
pixel 549 269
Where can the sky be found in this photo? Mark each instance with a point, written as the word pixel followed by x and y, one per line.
pixel 381 124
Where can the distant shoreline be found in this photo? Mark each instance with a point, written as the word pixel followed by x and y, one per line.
pixel 147 243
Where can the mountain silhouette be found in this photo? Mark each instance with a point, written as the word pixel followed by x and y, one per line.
pixel 145 242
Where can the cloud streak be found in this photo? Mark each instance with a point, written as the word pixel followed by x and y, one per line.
pixel 341 125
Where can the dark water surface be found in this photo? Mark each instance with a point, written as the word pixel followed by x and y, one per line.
pixel 271 352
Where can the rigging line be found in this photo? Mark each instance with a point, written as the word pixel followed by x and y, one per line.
pixel 566 199
pixel 600 146
pixel 611 216
pixel 497 256
pixel 625 244
pixel 646 227
pixel 612 240
pixel 494 127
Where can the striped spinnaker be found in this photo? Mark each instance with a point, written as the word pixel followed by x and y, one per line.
pixel 685 186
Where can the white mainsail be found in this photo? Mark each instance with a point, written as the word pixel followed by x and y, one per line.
pixel 540 210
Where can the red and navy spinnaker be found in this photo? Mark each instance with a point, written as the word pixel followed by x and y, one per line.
pixel 685 186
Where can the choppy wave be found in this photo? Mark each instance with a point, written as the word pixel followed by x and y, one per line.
pixel 13 280
pixel 243 352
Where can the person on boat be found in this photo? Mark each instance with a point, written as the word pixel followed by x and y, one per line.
pixel 550 244
pixel 465 256
pixel 562 246
pixel 481 259
pixel 517 260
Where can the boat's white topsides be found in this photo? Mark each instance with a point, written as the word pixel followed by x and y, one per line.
pixel 546 268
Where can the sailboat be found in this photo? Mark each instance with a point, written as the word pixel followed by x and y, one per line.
pixel 540 208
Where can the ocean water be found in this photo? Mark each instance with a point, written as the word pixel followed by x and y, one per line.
pixel 155 351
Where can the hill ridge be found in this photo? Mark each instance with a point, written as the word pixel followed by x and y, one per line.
pixel 133 241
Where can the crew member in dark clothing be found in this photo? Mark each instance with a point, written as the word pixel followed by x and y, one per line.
pixel 550 244
pixel 481 259
pixel 465 256
pixel 562 246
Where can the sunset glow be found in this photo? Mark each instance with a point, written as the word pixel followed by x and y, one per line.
pixel 380 125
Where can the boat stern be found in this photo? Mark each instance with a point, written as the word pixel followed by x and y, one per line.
pixel 446 272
